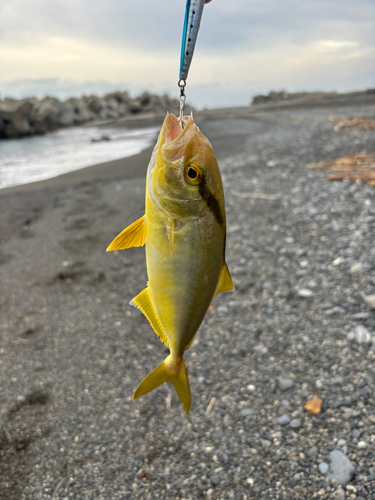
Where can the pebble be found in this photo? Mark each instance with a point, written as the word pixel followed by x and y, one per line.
pixel 246 412
pixel 295 423
pixel 305 293
pixel 323 467
pixel 313 454
pixel 285 383
pixel 356 268
pixel 341 469
pixel 370 300
pixel 362 335
pixel 251 387
pixel 215 480
pixel 283 420
pixel 339 494
pixel 338 261
pixel 21 399
pixel 356 433
pixel 362 445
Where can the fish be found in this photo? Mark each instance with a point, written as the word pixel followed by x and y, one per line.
pixel 184 230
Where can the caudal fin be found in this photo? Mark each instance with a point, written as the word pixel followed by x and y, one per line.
pixel 164 372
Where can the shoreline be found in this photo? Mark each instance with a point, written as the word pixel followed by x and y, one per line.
pixel 113 168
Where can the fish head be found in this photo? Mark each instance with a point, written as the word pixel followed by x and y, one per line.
pixel 184 177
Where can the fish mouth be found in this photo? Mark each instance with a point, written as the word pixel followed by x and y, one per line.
pixel 176 137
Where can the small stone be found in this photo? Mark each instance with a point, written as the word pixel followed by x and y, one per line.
pixel 341 442
pixel 356 267
pixel 338 261
pixel 295 423
pixel 305 293
pixel 303 264
pixel 350 336
pixel 339 494
pixel 362 335
pixel 356 433
pixel 362 445
pixel 246 412
pixel 313 454
pixel 250 481
pixel 21 399
pixel 370 300
pixel 251 388
pixel 341 469
pixel 323 467
pixel 283 420
pixel 215 480
pixel 209 494
pixel 285 383
pixel 362 315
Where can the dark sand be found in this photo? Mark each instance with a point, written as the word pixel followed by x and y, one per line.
pixel 72 350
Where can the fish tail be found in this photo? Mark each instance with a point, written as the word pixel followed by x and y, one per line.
pixel 167 370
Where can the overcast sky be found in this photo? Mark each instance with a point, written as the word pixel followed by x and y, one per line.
pixel 72 47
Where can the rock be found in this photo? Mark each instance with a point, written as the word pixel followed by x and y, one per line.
pixel 370 300
pixel 215 480
pixel 362 335
pixel 246 412
pixel 21 399
pixel 339 494
pixel 341 469
pixel 338 261
pixel 283 420
pixel 31 116
pixel 15 115
pixel 103 138
pixel 305 293
pixel 313 454
pixel 356 268
pixel 361 445
pixel 323 467
pixel 295 423
pixel 356 433
pixel 285 383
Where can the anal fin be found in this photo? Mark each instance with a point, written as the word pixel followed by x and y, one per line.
pixel 133 236
pixel 225 283
pixel 144 302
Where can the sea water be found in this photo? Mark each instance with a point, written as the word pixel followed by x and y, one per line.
pixel 40 157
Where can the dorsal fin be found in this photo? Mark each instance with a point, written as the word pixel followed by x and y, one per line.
pixel 133 236
pixel 225 283
pixel 144 302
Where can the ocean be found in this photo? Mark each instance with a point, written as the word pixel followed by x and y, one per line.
pixel 41 157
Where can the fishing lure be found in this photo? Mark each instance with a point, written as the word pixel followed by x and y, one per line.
pixel 193 16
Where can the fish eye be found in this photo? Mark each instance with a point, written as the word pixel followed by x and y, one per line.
pixel 193 173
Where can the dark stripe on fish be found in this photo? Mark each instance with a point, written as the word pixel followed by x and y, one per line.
pixel 211 202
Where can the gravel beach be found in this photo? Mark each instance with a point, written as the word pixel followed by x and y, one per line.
pixel 301 252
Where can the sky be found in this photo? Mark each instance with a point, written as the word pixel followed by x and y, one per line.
pixel 245 47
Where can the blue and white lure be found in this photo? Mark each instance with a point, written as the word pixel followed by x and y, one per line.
pixel 193 15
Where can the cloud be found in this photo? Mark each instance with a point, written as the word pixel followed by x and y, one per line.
pixel 244 46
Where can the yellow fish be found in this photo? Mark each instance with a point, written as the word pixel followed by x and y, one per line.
pixel 184 231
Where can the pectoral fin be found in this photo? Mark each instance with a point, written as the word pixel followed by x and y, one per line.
pixel 225 283
pixel 133 236
pixel 144 302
